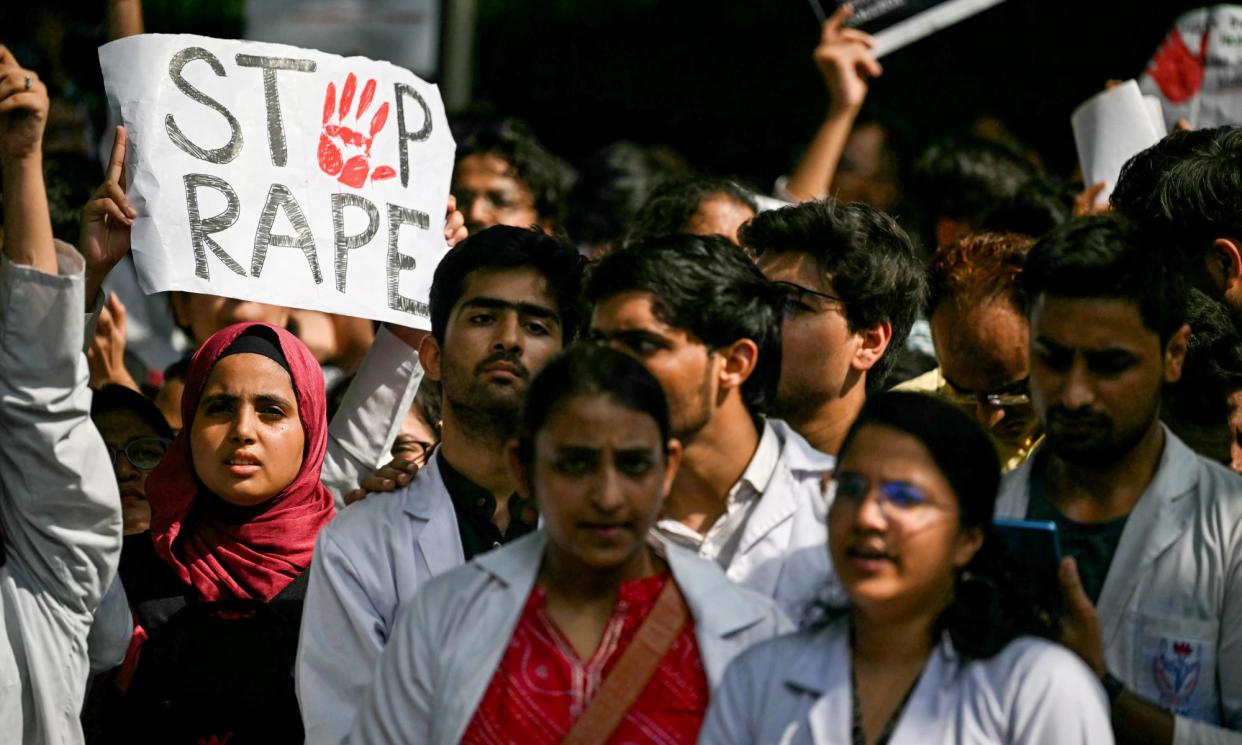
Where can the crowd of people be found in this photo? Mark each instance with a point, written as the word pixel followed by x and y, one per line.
pixel 677 461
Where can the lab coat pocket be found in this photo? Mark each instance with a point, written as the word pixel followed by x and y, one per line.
pixel 1176 665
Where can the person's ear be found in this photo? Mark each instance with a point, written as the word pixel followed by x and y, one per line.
pixel 517 470
pixel 1228 261
pixel 875 341
pixel 1175 354
pixel 740 359
pixel 673 451
pixel 429 357
pixel 969 541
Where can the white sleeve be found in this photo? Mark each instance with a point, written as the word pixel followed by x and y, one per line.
pixel 339 649
pixel 1055 699
pixel 111 630
pixel 364 428
pixel 58 497
pixel 399 705
pixel 1228 665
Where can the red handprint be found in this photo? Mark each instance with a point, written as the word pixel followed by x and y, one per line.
pixel 1177 70
pixel 352 172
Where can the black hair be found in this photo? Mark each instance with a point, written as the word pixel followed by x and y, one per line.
pixel 71 180
pixel 588 369
pixel 112 398
pixel 611 187
pixel 177 370
pixel 1185 189
pixel 872 263
pixel 502 247
pixel 708 287
pixel 1105 256
pixel 1037 207
pixel 548 177
pixel 429 405
pixel 965 179
pixel 1196 406
pixel 989 608
pixel 671 206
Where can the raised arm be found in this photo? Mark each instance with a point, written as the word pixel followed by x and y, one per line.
pixel 845 62
pixel 23 114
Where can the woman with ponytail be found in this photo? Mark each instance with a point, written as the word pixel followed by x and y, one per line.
pixel 937 643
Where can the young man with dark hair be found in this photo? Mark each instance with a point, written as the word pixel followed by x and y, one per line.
pixel 502 303
pixel 978 320
pixel 705 322
pixel 504 176
pixel 1153 532
pixel 1187 189
pixel 694 206
pixel 853 288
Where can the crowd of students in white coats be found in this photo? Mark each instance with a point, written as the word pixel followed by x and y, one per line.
pixel 720 469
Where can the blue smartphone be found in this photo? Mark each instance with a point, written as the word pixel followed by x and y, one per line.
pixel 1034 548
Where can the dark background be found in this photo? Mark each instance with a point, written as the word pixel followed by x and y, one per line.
pixel 730 83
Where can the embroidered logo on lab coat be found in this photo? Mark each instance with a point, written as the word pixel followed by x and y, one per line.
pixel 1176 670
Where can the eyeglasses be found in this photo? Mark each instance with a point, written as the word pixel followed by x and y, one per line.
pixel 794 297
pixel 418 448
pixel 899 501
pixel 1017 393
pixel 143 453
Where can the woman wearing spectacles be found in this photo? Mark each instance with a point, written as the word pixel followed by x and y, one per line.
pixel 136 436
pixel 933 645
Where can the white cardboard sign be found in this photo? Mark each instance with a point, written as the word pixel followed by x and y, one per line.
pixel 283 175
pixel 1110 128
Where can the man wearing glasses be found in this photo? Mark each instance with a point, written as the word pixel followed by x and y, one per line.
pixel 978 322
pixel 853 288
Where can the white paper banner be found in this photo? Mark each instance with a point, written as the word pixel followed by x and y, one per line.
pixel 1109 129
pixel 1197 70
pixel 282 175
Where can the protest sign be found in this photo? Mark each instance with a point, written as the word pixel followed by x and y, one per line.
pixel 282 175
pixel 1197 71
pixel 896 23
pixel 1112 127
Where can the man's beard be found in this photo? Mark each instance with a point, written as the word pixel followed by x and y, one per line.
pixel 1090 438
pixel 485 408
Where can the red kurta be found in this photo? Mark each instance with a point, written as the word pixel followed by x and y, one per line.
pixel 541 686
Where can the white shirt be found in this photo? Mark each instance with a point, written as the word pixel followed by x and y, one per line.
pixel 58 504
pixel 720 542
pixel 797 690
pixel 1171 606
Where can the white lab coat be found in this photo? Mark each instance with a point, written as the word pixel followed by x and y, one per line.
pixel 784 549
pixel 59 505
pixel 447 647
pixel 368 563
pixel 797 690
pixel 1171 607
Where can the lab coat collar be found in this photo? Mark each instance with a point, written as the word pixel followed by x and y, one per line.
pixel 719 607
pixel 418 499
pixel 779 501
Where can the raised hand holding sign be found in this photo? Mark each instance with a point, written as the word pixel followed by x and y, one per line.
pixel 243 150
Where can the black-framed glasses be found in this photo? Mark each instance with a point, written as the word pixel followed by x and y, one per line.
pixel 143 453
pixel 408 444
pixel 794 297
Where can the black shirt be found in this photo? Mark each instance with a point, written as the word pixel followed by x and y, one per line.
pixel 1091 544
pixel 475 507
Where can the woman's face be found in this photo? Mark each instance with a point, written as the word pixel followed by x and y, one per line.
pixel 136 447
pixel 247 440
pixel 599 476
pixel 893 527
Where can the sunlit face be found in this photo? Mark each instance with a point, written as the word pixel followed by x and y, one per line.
pixel 501 332
pixel 599 475
pixel 817 346
pixel 204 315
pixel 488 193
pixel 1096 376
pixel 246 439
pixel 687 370
pixel 720 215
pixel 122 430
pixel 985 349
pixel 899 557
